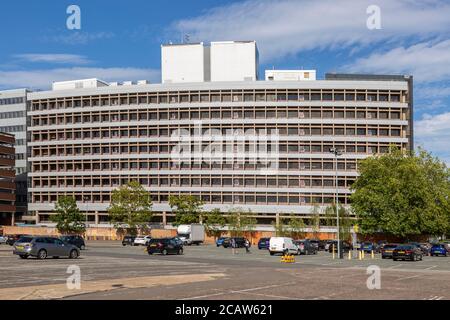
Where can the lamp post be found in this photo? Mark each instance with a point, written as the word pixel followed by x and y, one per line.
pixel 86 199
pixel 337 153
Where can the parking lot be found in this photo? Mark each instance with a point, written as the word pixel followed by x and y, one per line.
pixel 111 271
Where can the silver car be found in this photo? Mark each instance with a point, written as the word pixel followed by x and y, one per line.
pixel 43 247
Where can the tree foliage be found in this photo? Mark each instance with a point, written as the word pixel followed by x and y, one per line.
pixel 297 228
pixel 68 217
pixel 403 194
pixel 187 209
pixel 346 221
pixel 131 208
pixel 240 222
pixel 214 222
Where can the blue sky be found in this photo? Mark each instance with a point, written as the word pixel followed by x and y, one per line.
pixel 120 40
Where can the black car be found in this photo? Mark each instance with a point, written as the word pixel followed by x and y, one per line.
pixel 239 242
pixel 387 250
pixel 306 247
pixel 76 240
pixel 424 249
pixel 345 246
pixel 407 252
pixel 128 240
pixel 13 238
pixel 165 246
pixel 263 243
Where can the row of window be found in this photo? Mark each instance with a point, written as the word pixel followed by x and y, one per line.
pixel 12 114
pixel 197 181
pixel 260 198
pixel 9 129
pixel 217 132
pixel 278 95
pixel 15 100
pixel 281 164
pixel 223 113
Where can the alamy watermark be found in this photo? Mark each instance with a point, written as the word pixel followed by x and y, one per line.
pixel 73 281
pixel 374 279
pixel 374 20
pixel 73 21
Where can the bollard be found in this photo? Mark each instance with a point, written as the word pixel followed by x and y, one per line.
pixel 359 255
pixel 362 253
pixel 349 255
pixel 333 253
pixel 372 255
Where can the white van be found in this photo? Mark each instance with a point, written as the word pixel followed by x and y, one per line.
pixel 282 245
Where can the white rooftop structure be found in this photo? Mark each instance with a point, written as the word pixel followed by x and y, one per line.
pixel 290 75
pixel 184 63
pixel 79 84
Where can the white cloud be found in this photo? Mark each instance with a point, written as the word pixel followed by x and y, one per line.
pixel 42 79
pixel 427 61
pixel 287 27
pixel 433 133
pixel 53 58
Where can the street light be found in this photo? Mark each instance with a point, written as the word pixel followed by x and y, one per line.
pixel 337 153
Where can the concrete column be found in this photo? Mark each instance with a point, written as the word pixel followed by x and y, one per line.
pixel 277 218
pixel 96 217
pixel 13 218
pixel 164 218
pixel 37 217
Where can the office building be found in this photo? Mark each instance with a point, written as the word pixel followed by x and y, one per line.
pixel 7 177
pixel 86 142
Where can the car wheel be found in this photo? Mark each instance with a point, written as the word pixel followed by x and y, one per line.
pixel 180 251
pixel 421 257
pixel 271 253
pixel 73 254
pixel 150 253
pixel 394 259
pixel 42 254
pixel 164 252
pixel 23 256
pixel 82 247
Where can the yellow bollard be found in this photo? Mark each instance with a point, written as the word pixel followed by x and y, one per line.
pixel 363 254
pixel 372 255
pixel 359 255
pixel 349 255
pixel 333 253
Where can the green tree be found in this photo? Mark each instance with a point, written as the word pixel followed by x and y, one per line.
pixel 403 194
pixel 187 209
pixel 68 217
pixel 241 222
pixel 346 221
pixel 315 221
pixel 297 228
pixel 131 208
pixel 214 222
pixel 281 228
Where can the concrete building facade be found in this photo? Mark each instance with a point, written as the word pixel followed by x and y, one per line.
pixel 86 142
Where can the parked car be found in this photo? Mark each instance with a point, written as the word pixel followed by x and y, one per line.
pixel 283 245
pixel 369 247
pixel 306 247
pixel 13 238
pixel 128 240
pixel 407 252
pixel 440 249
pixel 239 241
pixel 3 239
pixel 142 240
pixel 219 241
pixel 423 248
pixel 164 246
pixel 43 247
pixel 263 243
pixel 322 244
pixel 76 240
pixel 387 250
pixel 315 243
pixel 327 244
pixel 345 245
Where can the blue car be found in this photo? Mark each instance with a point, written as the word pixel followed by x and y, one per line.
pixel 439 250
pixel 263 243
pixel 368 247
pixel 219 241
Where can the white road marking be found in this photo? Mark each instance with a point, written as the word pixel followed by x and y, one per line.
pixel 410 277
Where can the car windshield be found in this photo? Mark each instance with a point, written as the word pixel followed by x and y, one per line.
pixel 25 239
pixel 390 246
pixel 405 247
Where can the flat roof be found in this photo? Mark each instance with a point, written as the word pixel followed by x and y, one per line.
pixel 225 85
